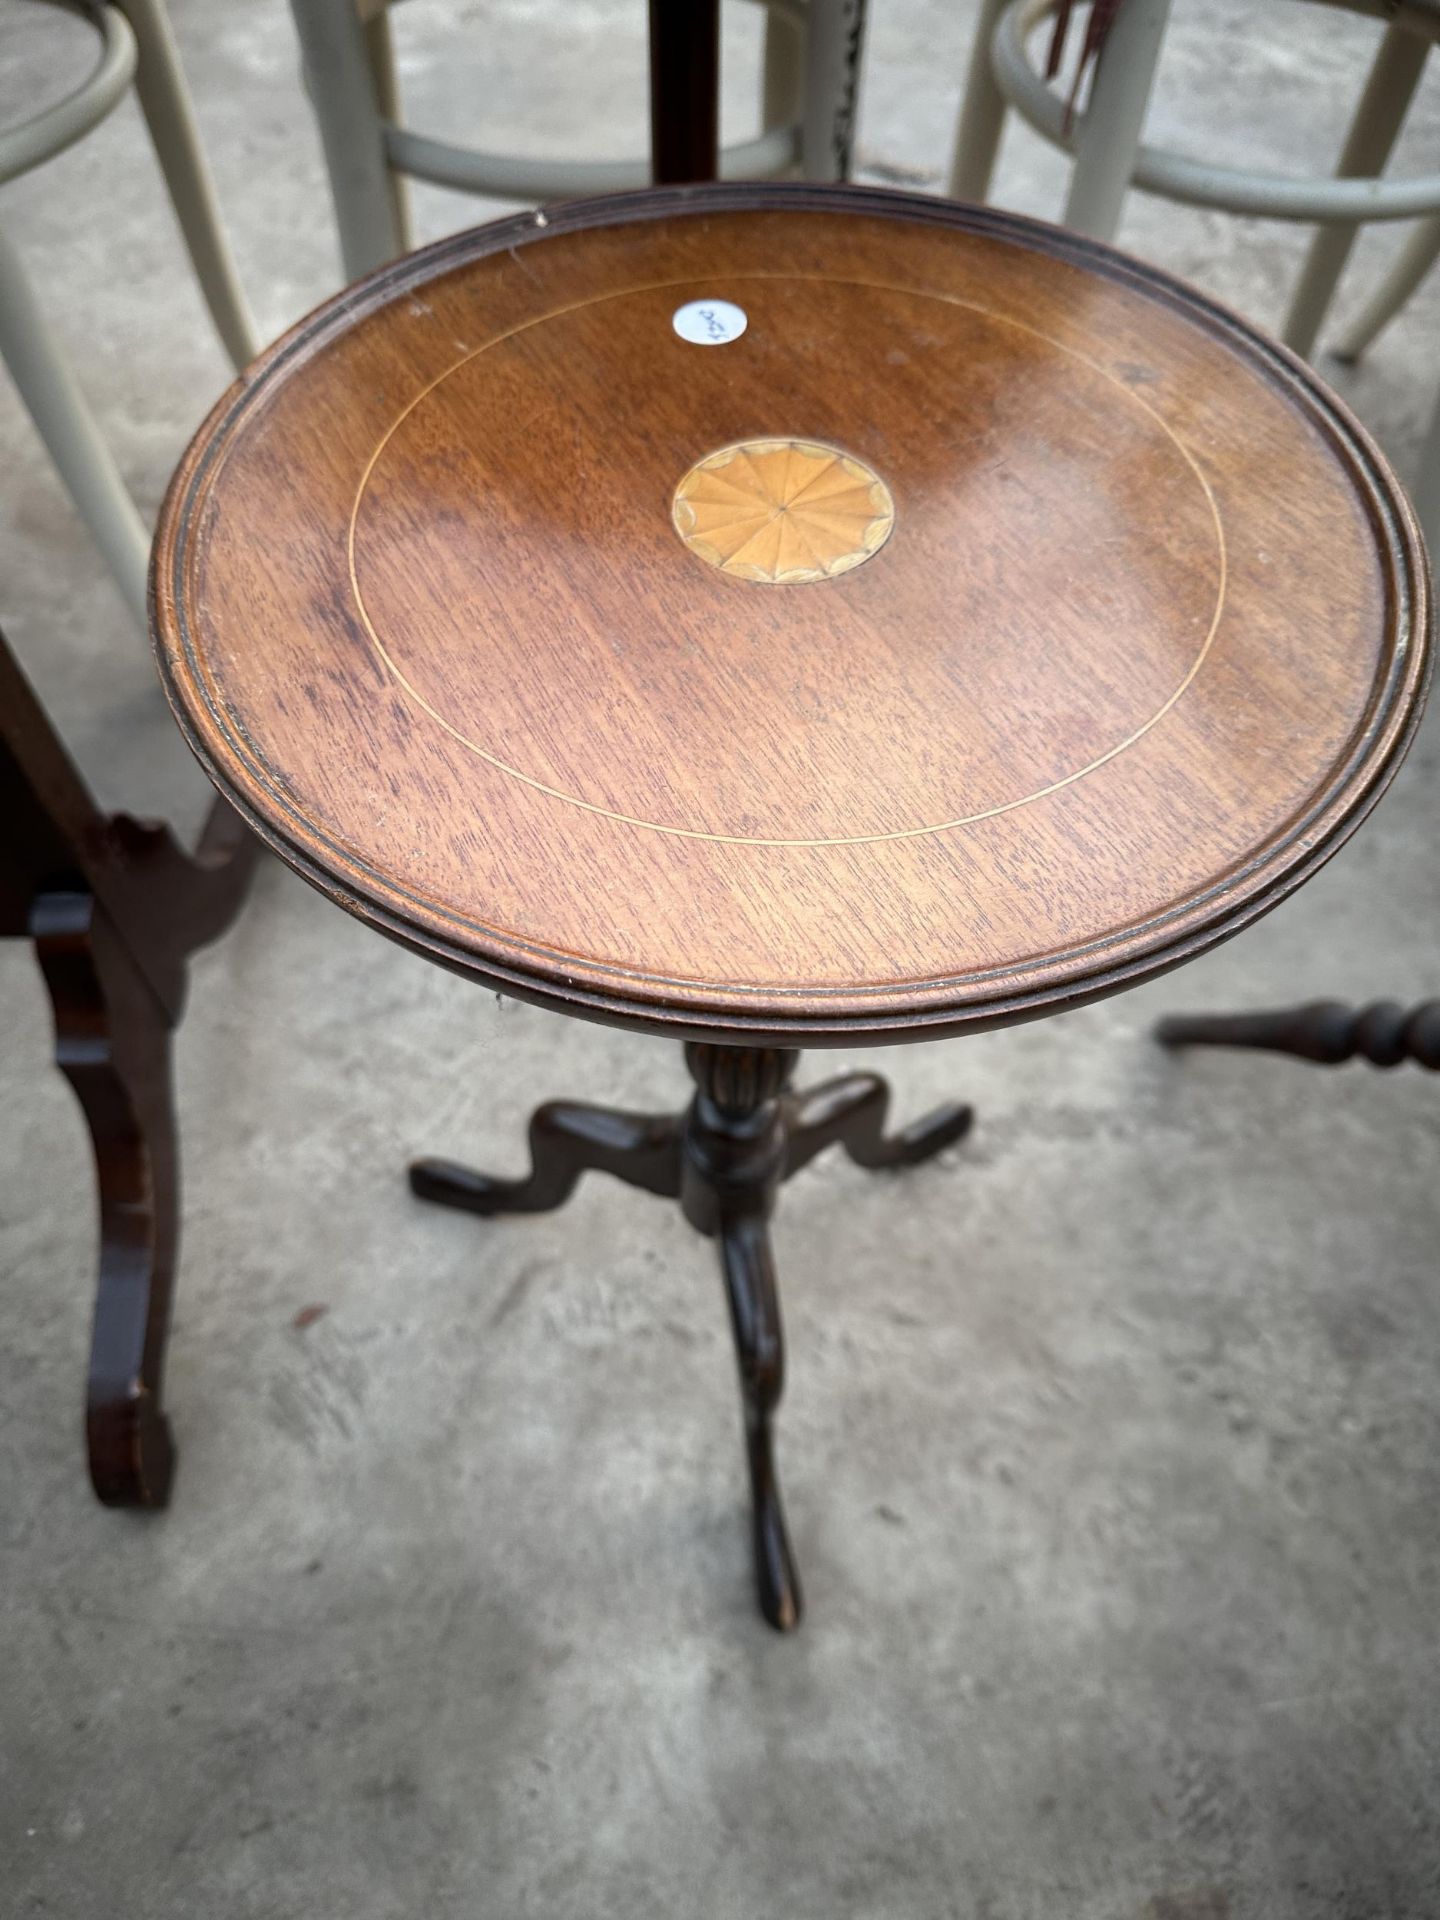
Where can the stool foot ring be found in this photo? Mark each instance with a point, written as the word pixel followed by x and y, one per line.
pixel 724 1159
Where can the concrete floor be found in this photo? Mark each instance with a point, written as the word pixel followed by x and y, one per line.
pixel 1112 1442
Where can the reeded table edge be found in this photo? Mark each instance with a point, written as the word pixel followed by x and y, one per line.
pixel 840 1015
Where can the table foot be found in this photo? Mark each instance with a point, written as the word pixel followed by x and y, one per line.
pixel 749 1268
pixel 566 1140
pixel 850 1113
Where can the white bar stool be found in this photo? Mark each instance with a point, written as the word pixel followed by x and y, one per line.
pixel 812 61
pixel 1110 157
pixel 136 46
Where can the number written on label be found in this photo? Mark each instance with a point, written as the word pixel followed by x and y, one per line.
pixel 709 323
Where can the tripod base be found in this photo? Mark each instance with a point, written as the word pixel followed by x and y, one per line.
pixel 724 1159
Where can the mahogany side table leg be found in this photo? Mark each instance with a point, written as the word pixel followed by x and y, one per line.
pixel 115 906
pixel 850 1112
pixel 112 1042
pixel 1326 1032
pixel 749 1269
pixel 566 1140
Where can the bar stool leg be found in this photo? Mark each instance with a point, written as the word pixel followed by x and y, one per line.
pixel 782 80
pixel 160 85
pixel 1373 132
pixel 834 34
pixel 65 423
pixel 1426 491
pixel 1109 135
pixel 380 52
pixel 332 43
pixel 982 114
pixel 1417 257
pixel 749 1269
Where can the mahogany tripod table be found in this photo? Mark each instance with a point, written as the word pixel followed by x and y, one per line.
pixel 776 616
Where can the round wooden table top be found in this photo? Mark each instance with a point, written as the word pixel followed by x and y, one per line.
pixel 783 612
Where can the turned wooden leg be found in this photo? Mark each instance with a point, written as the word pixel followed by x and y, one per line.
pixel 749 1269
pixel 112 1042
pixel 1326 1031
pixel 566 1140
pixel 850 1113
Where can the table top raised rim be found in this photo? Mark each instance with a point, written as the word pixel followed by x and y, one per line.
pixel 814 1015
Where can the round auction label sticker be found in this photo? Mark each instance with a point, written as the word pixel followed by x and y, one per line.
pixel 709 323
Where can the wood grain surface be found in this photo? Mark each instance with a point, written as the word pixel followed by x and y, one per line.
pixel 1147 637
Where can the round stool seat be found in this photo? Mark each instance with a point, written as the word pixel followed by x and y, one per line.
pixel 771 612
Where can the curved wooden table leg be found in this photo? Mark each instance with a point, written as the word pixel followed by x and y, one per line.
pixel 167 900
pixel 115 906
pixel 112 1042
pixel 850 1112
pixel 566 1140
pixel 732 1163
pixel 749 1268
pixel 1326 1032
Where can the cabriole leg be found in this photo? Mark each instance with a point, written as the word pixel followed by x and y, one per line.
pixel 1373 132
pixel 749 1269
pixel 566 1140
pixel 112 1042
pixel 1327 1032
pixel 734 1160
